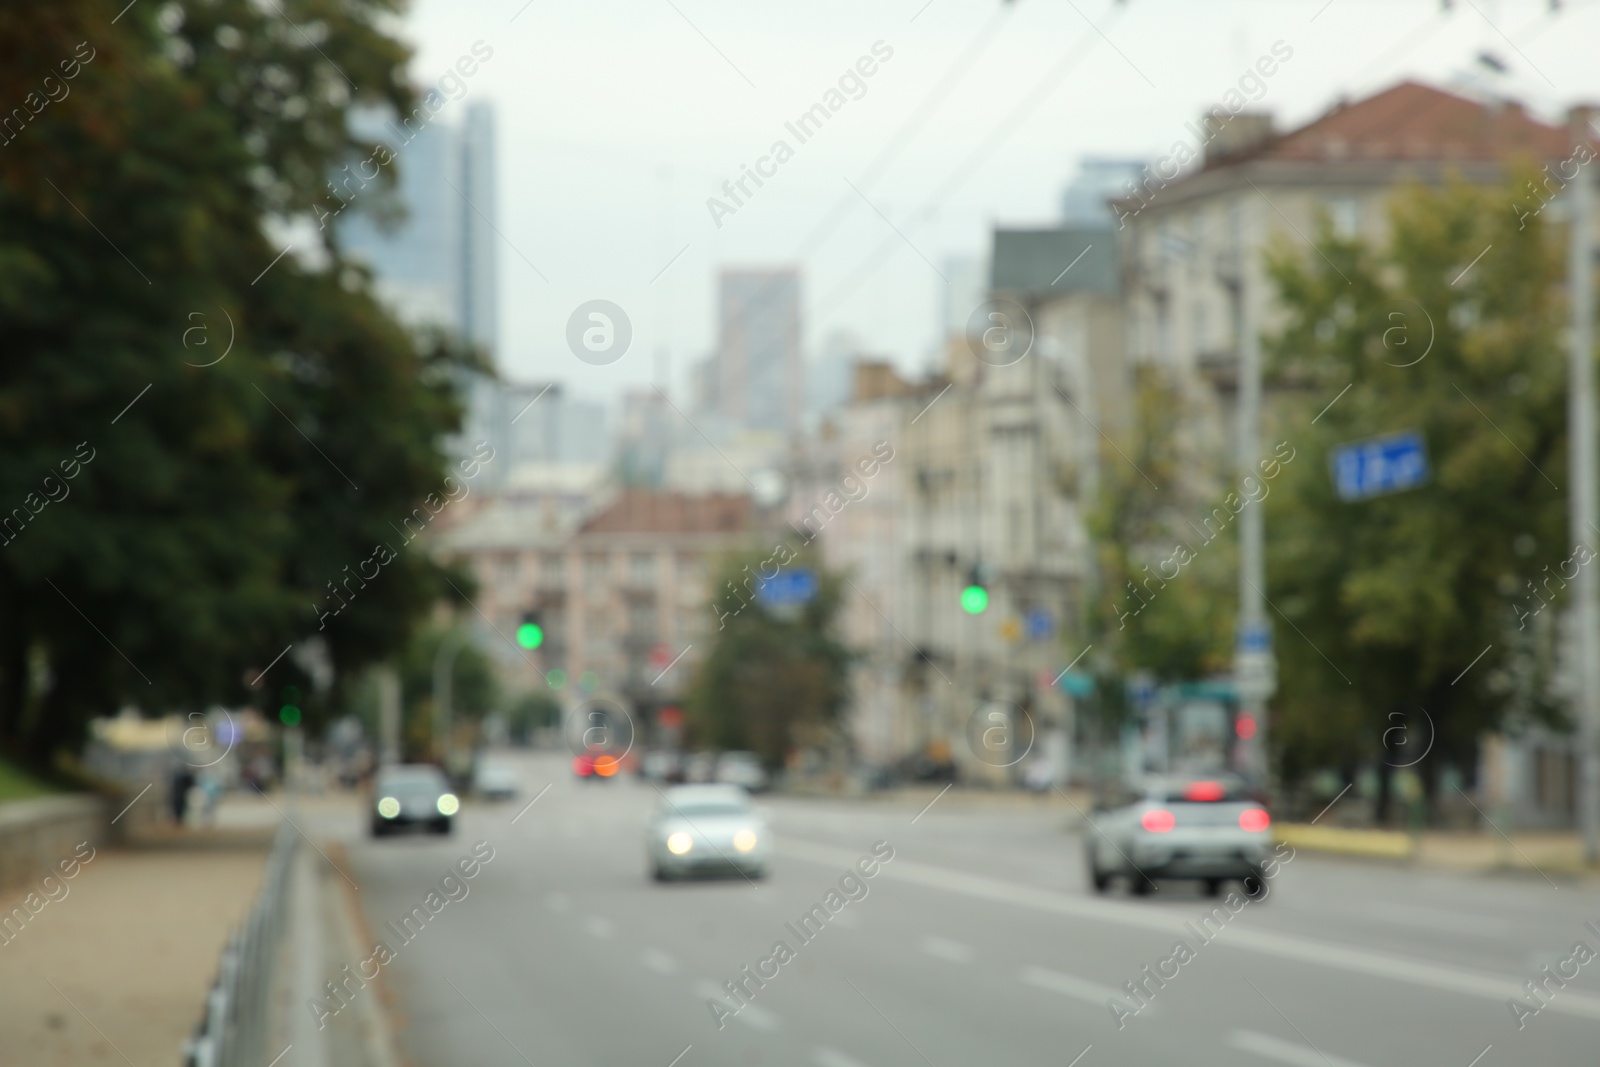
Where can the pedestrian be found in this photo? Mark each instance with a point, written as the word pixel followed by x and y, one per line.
pixel 182 782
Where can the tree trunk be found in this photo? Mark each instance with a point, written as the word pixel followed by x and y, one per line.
pixel 1381 809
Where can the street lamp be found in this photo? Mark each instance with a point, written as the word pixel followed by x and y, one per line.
pixel 444 661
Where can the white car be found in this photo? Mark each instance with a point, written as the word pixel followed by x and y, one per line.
pixel 495 781
pixel 742 769
pixel 1209 830
pixel 705 828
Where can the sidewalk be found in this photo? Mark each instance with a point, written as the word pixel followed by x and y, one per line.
pixel 130 943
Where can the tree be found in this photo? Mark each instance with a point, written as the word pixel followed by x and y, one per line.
pixel 770 680
pixel 170 515
pixel 474 689
pixel 1157 608
pixel 1409 601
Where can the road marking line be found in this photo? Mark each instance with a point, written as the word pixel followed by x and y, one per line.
pixel 1069 985
pixel 659 961
pixel 945 949
pixel 823 1056
pixel 1272 1048
pixel 751 1015
pixel 1369 962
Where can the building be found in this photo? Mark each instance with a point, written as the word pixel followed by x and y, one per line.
pixel 1193 243
pixel 437 265
pixel 620 579
pixel 758 380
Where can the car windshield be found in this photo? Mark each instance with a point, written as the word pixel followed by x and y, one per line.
pixel 411 783
pixel 692 809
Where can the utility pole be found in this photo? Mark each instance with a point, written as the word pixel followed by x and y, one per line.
pixel 1254 670
pixel 1584 518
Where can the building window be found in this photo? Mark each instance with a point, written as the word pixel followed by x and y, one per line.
pixel 552 569
pixel 642 568
pixel 508 568
pixel 1345 211
pixel 596 568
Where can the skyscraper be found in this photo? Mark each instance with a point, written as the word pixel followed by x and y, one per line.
pixel 759 375
pixel 437 265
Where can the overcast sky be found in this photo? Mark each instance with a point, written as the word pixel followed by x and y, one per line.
pixel 618 119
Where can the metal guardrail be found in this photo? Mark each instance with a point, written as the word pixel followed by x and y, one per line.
pixel 234 1026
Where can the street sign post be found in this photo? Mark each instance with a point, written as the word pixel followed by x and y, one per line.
pixel 1379 466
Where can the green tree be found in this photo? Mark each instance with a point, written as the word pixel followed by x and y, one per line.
pixel 474 688
pixel 1395 598
pixel 176 518
pixel 771 679
pixel 1156 608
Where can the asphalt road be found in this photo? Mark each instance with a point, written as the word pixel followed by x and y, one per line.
pixel 978 943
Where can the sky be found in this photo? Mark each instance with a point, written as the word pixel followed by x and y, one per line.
pixel 618 120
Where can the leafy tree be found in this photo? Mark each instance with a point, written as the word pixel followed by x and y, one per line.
pixel 211 500
pixel 530 712
pixel 1158 609
pixel 770 680
pixel 1395 598
pixel 474 688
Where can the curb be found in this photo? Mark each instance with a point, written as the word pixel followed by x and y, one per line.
pixel 1381 844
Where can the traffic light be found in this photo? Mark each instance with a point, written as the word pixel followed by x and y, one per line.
pixel 530 632
pixel 975 597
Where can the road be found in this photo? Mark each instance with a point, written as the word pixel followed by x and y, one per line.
pixel 977 943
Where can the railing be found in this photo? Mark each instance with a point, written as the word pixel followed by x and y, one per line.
pixel 234 1027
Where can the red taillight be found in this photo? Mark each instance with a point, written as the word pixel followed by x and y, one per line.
pixel 583 766
pixel 1203 791
pixel 1158 820
pixel 1245 727
pixel 1254 820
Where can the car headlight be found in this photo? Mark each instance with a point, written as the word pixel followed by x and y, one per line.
pixel 679 843
pixel 388 807
pixel 448 804
pixel 744 840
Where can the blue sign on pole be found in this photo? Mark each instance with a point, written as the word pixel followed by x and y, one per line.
pixel 1389 464
pixel 1040 624
pixel 1254 637
pixel 787 587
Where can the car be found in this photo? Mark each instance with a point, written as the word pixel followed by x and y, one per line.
pixel 412 794
pixel 661 765
pixel 495 781
pixel 697 829
pixel 743 769
pixel 594 766
pixel 1210 830
pixel 699 767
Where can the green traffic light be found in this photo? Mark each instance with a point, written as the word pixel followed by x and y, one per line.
pixel 530 635
pixel 289 715
pixel 974 599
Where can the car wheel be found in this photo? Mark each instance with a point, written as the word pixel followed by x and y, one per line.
pixel 1213 887
pixel 379 829
pixel 657 874
pixel 1255 887
pixel 1139 885
pixel 1099 880
pixel 443 827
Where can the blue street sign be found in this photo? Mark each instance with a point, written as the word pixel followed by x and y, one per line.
pixel 1040 624
pixel 1254 638
pixel 787 587
pixel 1381 465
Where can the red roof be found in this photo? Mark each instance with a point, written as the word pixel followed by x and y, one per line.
pixel 1418 122
pixel 647 511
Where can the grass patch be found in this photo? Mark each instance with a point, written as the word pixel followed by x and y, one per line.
pixel 17 784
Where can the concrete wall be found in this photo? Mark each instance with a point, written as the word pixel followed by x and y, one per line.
pixel 36 835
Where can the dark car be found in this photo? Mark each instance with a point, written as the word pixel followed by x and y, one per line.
pixel 412 794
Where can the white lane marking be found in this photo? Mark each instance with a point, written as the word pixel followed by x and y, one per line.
pixel 751 1014
pixel 824 1056
pixel 1070 986
pixel 1450 922
pixel 659 961
pixel 557 902
pixel 598 926
pixel 1290 1052
pixel 945 949
pixel 1362 961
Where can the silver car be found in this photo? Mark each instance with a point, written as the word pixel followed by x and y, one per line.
pixel 707 828
pixel 1209 830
